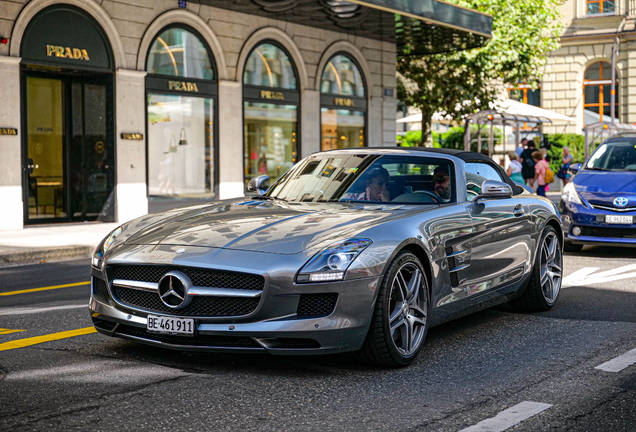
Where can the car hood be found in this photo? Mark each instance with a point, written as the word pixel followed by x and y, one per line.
pixel 602 187
pixel 265 226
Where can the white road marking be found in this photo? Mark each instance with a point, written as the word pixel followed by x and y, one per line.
pixel 588 276
pixel 24 311
pixel 619 363
pixel 508 418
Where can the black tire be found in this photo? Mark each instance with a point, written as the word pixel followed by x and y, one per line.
pixel 537 296
pixel 572 247
pixel 381 344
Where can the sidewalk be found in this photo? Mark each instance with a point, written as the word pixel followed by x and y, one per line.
pixel 51 242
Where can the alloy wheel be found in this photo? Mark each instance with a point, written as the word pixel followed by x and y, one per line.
pixel 407 309
pixel 551 267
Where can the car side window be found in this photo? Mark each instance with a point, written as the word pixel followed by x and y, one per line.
pixel 476 174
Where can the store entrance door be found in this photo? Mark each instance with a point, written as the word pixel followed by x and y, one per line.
pixel 69 167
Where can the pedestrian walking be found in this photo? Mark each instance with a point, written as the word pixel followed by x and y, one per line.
pixel 521 147
pixel 566 161
pixel 514 169
pixel 540 168
pixel 527 164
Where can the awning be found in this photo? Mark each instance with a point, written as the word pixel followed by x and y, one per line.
pixel 417 27
pixel 507 111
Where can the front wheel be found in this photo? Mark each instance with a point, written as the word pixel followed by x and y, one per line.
pixel 547 274
pixel 400 318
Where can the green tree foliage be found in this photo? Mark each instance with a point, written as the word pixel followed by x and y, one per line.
pixel 460 83
pixel 575 142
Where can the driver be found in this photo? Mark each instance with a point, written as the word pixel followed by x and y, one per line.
pixel 441 179
pixel 376 181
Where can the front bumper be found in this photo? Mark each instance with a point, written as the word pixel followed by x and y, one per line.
pixel 273 327
pixel 594 229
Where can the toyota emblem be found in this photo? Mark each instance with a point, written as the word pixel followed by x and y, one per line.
pixel 173 289
pixel 620 201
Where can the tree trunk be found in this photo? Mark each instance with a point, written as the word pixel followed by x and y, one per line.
pixel 427 120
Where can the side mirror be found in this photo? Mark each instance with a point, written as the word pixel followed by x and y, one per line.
pixel 575 168
pixel 258 184
pixel 494 189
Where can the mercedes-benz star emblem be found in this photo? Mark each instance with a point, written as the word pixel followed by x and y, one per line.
pixel 620 201
pixel 173 289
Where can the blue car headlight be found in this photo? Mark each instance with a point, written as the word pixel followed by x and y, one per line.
pixel 108 241
pixel 331 263
pixel 569 194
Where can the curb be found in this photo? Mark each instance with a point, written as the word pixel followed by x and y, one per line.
pixel 37 255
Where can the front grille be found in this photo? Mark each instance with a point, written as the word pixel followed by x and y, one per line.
pixel 197 340
pixel 626 233
pixel 198 276
pixel 200 306
pixel 317 304
pixel 100 290
pixel 610 208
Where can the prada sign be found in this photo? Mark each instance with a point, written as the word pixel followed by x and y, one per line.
pixel 66 52
pixel 343 102
pixel 132 136
pixel 8 131
pixel 266 94
pixel 183 86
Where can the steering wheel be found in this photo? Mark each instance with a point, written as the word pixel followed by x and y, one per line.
pixel 435 197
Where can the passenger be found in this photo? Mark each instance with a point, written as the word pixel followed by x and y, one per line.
pixel 376 187
pixel 441 179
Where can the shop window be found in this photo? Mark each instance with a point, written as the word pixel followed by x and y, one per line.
pixel 178 52
pixel 343 104
pixel 597 7
pixel 270 107
pixel 597 87
pixel 181 99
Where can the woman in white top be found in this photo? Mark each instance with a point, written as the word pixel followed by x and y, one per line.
pixel 514 169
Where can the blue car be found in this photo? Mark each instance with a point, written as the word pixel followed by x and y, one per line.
pixel 599 206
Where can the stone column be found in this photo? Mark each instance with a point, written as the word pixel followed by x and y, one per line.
pixel 11 216
pixel 375 122
pixel 231 171
pixel 132 197
pixel 309 123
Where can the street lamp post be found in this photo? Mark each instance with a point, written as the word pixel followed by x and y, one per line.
pixel 613 93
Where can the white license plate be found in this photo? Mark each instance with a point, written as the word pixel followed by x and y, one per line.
pixel 170 325
pixel 619 220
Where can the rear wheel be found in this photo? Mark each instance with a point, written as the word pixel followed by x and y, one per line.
pixel 400 318
pixel 547 273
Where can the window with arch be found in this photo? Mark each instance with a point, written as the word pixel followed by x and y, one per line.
pixel 181 96
pixel 597 7
pixel 270 104
pixel 597 86
pixel 343 104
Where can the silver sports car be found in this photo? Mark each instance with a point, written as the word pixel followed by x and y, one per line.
pixel 351 250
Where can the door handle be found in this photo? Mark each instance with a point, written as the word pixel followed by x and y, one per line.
pixel 518 210
pixel 33 166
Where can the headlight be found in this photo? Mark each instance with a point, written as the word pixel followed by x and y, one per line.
pixel 569 194
pixel 331 263
pixel 108 241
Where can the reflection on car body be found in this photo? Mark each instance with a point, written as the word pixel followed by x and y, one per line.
pixel 316 264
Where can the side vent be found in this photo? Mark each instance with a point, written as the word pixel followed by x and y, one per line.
pixel 453 268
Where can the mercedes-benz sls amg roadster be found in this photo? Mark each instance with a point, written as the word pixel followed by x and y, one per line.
pixel 351 250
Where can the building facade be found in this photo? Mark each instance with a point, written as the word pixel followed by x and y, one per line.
pixel 578 77
pixel 105 104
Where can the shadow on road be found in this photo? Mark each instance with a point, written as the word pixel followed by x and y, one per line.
pixel 606 252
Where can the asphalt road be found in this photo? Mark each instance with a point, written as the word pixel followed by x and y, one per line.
pixel 494 367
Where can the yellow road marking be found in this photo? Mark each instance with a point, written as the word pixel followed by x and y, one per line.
pixel 45 288
pixel 21 343
pixel 8 331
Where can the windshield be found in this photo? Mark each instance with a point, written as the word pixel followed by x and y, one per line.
pixel 348 177
pixel 614 156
